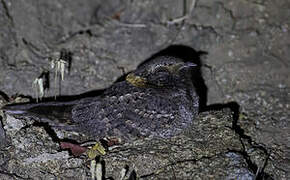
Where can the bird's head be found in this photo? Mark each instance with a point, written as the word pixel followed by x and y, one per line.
pixel 162 71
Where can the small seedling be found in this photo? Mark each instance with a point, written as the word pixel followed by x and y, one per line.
pixel 59 66
pixel 40 84
pixel 37 85
pixel 96 170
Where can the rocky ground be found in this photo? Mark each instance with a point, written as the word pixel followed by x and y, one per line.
pixel 246 69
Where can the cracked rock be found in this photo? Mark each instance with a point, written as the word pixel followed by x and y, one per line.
pixel 210 148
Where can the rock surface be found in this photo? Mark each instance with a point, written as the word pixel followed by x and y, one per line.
pixel 210 148
pixel 248 63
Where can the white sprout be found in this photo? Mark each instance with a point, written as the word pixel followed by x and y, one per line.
pixel 38 87
pixel 93 168
pixel 123 173
pixel 59 66
pixel 99 172
pixel 96 170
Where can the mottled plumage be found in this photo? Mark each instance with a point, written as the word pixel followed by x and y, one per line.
pixel 157 99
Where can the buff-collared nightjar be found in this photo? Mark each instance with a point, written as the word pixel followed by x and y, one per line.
pixel 157 99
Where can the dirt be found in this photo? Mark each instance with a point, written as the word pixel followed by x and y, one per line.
pixel 246 68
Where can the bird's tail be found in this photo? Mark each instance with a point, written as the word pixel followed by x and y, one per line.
pixel 51 112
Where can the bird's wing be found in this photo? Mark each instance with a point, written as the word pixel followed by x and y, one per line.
pixel 152 113
pixel 129 115
pixel 153 121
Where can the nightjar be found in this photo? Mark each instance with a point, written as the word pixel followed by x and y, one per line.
pixel 157 99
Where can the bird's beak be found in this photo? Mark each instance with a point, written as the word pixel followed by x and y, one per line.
pixel 176 68
pixel 187 65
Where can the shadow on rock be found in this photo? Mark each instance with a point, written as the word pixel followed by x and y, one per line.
pixel 235 109
pixel 187 54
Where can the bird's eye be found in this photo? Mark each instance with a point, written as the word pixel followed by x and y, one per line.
pixel 161 73
pixel 160 77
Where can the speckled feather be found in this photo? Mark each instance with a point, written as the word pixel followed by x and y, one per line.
pixel 136 112
pixel 163 108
